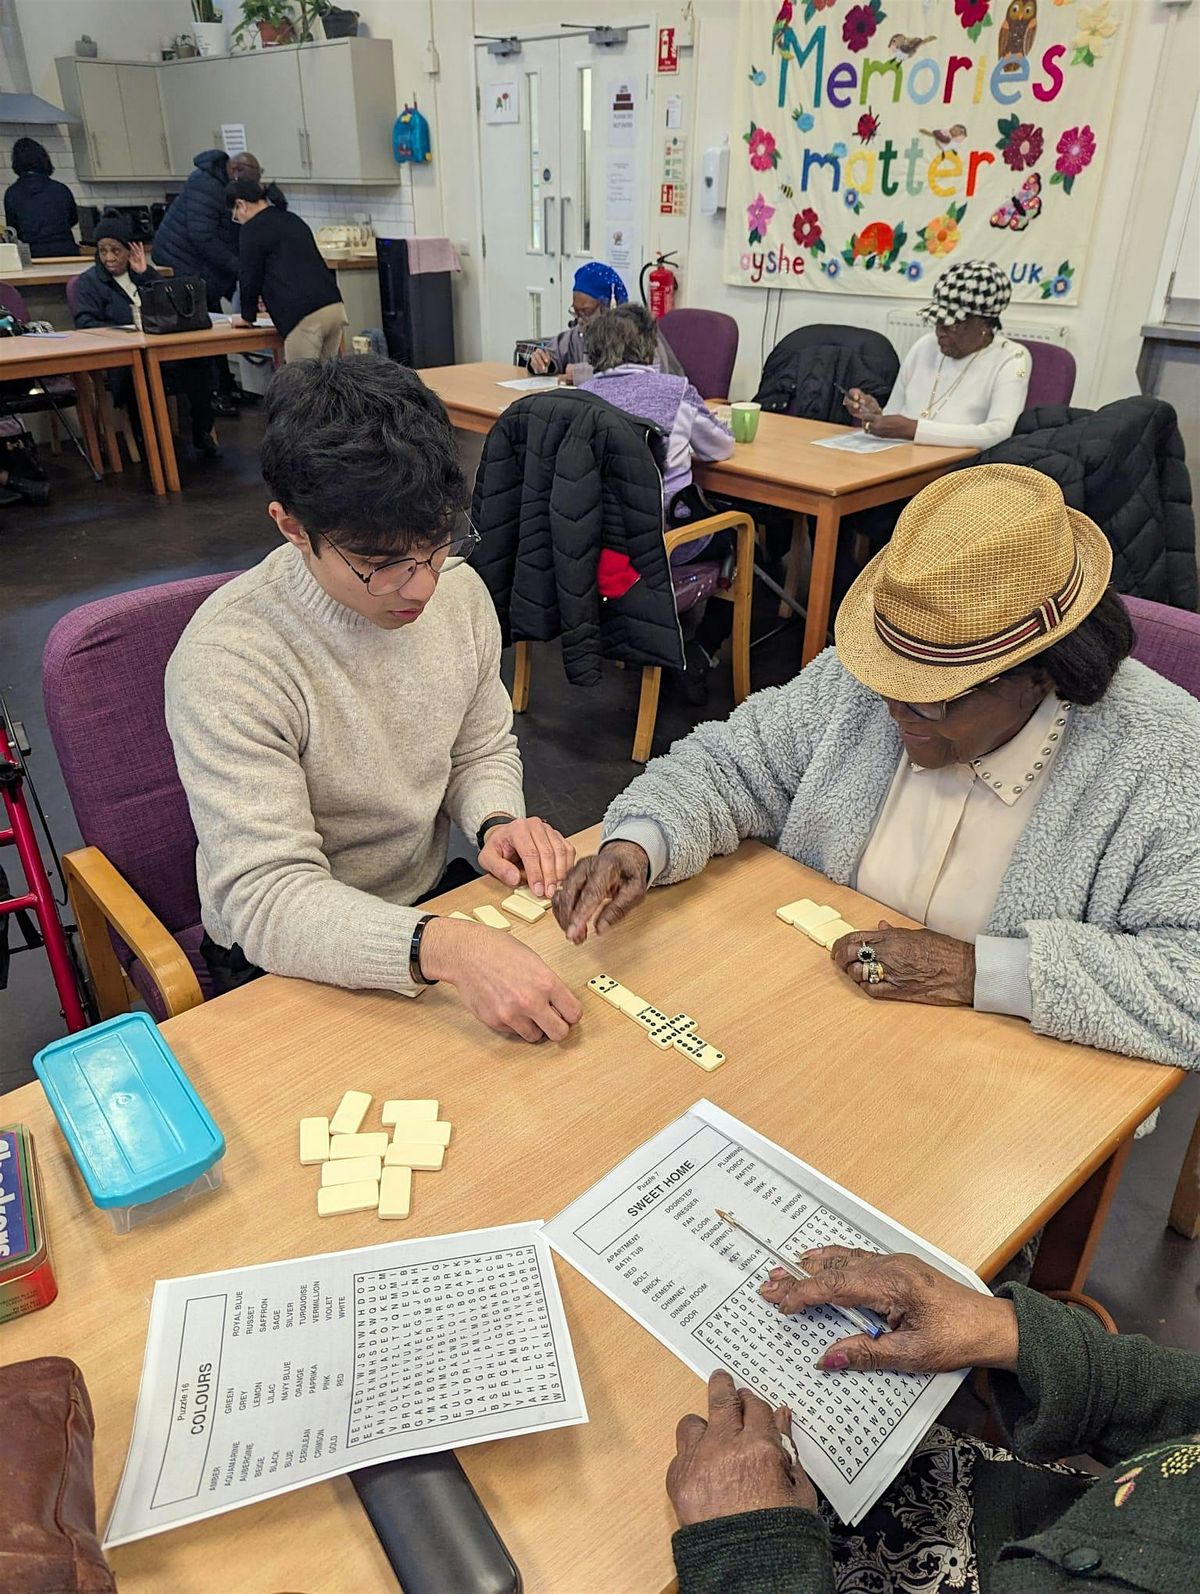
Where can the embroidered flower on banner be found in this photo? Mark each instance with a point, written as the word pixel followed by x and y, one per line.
pixel 803 119
pixel 942 236
pixel 1020 143
pixel 764 157
pixel 851 200
pixel 860 25
pixel 813 6
pixel 831 267
pixel 914 271
pixel 806 230
pixel 758 218
pixel 877 244
pixel 1076 149
pixel 974 15
pixel 1095 27
pixel 1060 283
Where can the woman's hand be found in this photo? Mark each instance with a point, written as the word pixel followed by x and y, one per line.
pixel 918 965
pixel 529 845
pixel 737 1460
pixel 892 426
pixel 539 362
pixel 861 405
pixel 605 888
pixel 938 1325
pixel 137 257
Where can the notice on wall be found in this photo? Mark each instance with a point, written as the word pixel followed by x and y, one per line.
pixel 674 116
pixel 233 137
pixel 619 188
pixel 620 247
pixel 502 101
pixel 622 113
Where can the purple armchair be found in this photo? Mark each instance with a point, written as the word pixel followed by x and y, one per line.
pixel 705 343
pixel 1051 374
pixel 133 883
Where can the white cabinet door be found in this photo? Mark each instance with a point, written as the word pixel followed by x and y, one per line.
pixel 104 120
pixel 349 93
pixel 192 121
pixel 144 124
pixel 262 92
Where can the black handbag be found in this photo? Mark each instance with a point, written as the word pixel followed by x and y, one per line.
pixel 174 304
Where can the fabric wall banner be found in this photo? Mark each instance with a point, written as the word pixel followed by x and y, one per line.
pixel 878 141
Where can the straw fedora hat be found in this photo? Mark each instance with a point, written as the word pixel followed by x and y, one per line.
pixel 986 568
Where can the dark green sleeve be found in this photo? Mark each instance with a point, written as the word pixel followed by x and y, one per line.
pixel 1080 1391
pixel 781 1551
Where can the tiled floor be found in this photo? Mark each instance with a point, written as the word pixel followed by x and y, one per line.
pixel 576 747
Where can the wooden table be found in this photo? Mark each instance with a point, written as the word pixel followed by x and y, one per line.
pixel 966 1126
pixel 76 354
pixel 781 467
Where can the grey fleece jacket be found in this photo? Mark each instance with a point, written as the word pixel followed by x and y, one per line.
pixel 1104 882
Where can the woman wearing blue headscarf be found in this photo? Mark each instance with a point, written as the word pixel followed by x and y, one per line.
pixel 596 287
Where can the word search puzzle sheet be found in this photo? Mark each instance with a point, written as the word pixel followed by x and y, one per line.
pixel 264 1379
pixel 648 1235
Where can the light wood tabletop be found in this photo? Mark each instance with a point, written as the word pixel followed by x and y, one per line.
pixel 965 1126
pixel 782 468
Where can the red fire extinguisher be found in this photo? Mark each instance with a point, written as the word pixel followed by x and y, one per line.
pixel 663 284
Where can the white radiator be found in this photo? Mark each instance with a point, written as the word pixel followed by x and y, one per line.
pixel 904 327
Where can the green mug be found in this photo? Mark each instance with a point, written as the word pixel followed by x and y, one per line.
pixel 743 419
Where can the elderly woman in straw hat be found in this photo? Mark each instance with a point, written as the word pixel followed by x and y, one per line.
pixel 980 753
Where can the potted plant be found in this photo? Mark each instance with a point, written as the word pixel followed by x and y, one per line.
pixel 273 19
pixel 209 30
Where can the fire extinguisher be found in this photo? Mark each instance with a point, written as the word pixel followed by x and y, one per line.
pixel 663 284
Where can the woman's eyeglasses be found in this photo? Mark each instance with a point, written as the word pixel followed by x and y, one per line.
pixel 939 710
pixel 396 574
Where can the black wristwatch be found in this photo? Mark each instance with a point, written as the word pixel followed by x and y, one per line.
pixel 415 973
pixel 488 824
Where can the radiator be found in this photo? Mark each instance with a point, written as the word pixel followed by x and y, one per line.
pixel 904 327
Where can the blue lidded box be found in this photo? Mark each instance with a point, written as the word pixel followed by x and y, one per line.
pixel 143 1139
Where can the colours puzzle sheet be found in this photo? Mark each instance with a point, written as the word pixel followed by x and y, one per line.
pixel 649 1236
pixel 262 1379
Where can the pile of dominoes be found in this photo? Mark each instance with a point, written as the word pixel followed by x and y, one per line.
pixel 522 905
pixel 364 1170
pixel 678 1033
pixel 823 925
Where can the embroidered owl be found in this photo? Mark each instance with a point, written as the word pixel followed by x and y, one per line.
pixel 1017 31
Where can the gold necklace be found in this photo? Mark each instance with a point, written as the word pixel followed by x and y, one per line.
pixel 928 411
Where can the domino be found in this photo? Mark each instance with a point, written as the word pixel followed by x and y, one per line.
pixel 338 1198
pixel 826 934
pixel 393 1111
pixel 527 908
pixel 351 1111
pixel 708 1057
pixel 649 1018
pixel 350 1170
pixel 807 916
pixel 616 995
pixel 538 902
pixel 369 1145
pixel 465 916
pixel 395 1193
pixel 415 1131
pixel 413 1154
pixel 663 1034
pixel 790 910
pixel 314 1140
pixel 492 917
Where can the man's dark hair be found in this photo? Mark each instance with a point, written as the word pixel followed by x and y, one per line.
pixel 244 188
pixel 30 156
pixel 625 335
pixel 1083 664
pixel 361 451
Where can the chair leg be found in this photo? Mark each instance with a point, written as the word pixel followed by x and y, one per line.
pixel 55 434
pixel 743 599
pixel 791 579
pixel 1185 1207
pixel 643 736
pixel 521 674
pixel 107 419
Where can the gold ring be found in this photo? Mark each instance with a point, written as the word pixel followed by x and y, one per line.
pixel 876 973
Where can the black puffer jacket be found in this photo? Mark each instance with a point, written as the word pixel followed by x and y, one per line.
pixel 198 236
pixel 42 211
pixel 101 302
pixel 1124 466
pixel 808 372
pixel 563 476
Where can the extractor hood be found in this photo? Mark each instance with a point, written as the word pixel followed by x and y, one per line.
pixel 31 108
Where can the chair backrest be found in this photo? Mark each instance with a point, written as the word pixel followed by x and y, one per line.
pixel 73 293
pixel 807 372
pixel 102 680
pixel 12 303
pixel 1168 640
pixel 705 343
pixel 1051 373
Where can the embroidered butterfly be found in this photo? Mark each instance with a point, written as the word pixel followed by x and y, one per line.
pixel 1020 210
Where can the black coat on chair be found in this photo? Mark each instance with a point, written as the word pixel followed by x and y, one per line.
pixel 805 371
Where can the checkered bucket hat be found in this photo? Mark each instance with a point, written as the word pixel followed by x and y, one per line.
pixel 972 287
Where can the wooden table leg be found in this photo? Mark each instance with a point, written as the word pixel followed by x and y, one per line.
pixel 87 421
pixel 643 736
pixel 1185 1206
pixel 522 671
pixel 1070 1237
pixel 156 426
pixel 106 416
pixel 791 574
pixel 820 584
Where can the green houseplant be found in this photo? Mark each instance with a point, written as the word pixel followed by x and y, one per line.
pixel 273 18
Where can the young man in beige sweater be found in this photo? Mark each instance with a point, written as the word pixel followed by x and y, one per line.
pixel 336 707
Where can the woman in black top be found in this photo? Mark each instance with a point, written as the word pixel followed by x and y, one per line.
pixel 40 211
pixel 279 263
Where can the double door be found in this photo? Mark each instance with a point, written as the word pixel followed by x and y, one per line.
pixel 564 139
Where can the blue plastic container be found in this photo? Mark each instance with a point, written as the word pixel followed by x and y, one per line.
pixel 143 1139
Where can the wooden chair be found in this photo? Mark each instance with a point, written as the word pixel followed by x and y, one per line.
pixel 739 594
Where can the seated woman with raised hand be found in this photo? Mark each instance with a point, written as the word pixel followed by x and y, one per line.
pixel 596 287
pixel 980 753
pixel 963 1514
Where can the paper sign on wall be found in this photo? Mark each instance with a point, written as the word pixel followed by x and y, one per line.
pixel 619 188
pixel 233 137
pixel 622 114
pixel 674 110
pixel 620 247
pixel 502 101
pixel 668 54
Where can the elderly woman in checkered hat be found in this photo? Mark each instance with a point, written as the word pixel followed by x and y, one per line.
pixel 980 753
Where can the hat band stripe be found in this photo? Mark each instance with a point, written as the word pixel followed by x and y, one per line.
pixel 1044 619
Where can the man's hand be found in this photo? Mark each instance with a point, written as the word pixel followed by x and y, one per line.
pixel 918 965
pixel 604 888
pixel 540 362
pixel 503 982
pixel 239 321
pixel 530 847
pixel 861 405
pixel 736 1461
pixel 938 1325
pixel 137 257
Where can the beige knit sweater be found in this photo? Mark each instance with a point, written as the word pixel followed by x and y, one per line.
pixel 323 760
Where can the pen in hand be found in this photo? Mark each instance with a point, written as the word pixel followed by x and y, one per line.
pixel 865 1325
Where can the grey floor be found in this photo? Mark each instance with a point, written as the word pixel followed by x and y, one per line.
pixel 92 541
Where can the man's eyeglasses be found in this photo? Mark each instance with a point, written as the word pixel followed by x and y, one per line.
pixel 396 574
pixel 938 711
